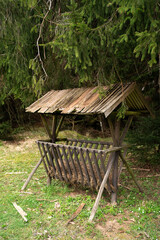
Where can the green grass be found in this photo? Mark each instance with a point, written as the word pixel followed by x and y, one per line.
pixel 49 208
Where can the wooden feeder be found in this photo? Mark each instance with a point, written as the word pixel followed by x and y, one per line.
pixel 84 162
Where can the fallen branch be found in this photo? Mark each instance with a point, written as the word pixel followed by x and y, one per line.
pixel 79 209
pixel 124 186
pixel 21 212
pixel 157 175
pixel 139 169
pixel 14 173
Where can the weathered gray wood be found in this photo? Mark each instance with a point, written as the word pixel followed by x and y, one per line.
pixel 45 154
pixel 115 179
pixel 72 161
pixel 126 129
pixel 116 142
pixel 54 126
pixel 62 164
pixel 59 125
pixel 56 162
pixel 96 166
pixel 46 125
pixel 121 164
pixel 94 209
pixel 42 156
pixel 130 171
pixel 91 168
pixel 84 165
pixel 67 162
pixel 51 159
pixel 79 165
pixel 103 168
pixel 20 211
pixel 111 127
pixel 31 175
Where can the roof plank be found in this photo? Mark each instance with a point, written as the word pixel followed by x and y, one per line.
pixel 90 100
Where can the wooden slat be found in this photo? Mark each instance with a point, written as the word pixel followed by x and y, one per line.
pixel 79 165
pixel 51 159
pixel 96 166
pixel 71 159
pixel 42 156
pixel 85 167
pixel 56 162
pixel 91 168
pixel 67 162
pixel 62 164
pixel 45 154
pixel 103 168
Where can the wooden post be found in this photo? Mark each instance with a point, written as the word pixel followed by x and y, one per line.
pixel 130 171
pixel 31 175
pixel 115 164
pixel 94 209
pixel 59 125
pixel 46 126
pixel 54 125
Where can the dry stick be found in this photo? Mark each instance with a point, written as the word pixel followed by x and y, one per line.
pixel 21 212
pixel 79 209
pixel 31 175
pixel 130 171
pixel 94 209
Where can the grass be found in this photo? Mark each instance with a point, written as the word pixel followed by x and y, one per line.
pixel 48 208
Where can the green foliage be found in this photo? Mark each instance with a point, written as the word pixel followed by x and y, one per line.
pixel 16 49
pixel 5 129
pixel 145 137
pixel 122 110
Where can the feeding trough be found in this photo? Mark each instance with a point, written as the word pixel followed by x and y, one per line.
pixel 83 162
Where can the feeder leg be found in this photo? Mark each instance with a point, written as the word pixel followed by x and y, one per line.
pixel 31 174
pixel 115 179
pixel 49 181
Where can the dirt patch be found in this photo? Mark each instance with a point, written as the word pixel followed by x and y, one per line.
pixel 115 229
pixel 22 145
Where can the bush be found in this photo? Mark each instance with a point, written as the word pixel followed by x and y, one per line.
pixel 5 129
pixel 145 137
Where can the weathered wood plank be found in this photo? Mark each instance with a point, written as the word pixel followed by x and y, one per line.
pixel 62 164
pixel 85 167
pixel 57 163
pixel 79 165
pixel 91 168
pixel 46 125
pixel 72 161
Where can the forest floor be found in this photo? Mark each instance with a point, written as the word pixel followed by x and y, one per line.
pixel 48 208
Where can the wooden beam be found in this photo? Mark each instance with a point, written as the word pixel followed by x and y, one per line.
pixel 130 171
pixel 111 129
pixel 145 102
pixel 115 164
pixel 59 125
pixel 54 125
pixel 94 209
pixel 46 126
pixel 126 128
pixel 31 175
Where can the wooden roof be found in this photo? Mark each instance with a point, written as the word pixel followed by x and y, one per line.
pixel 90 100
